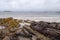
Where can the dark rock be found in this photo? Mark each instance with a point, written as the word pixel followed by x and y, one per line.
pixel 46 29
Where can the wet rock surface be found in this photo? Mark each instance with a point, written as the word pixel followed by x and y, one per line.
pixel 48 29
pixel 30 30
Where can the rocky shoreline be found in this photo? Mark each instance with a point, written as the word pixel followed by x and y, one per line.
pixel 15 29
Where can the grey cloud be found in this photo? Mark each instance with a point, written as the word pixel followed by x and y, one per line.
pixel 29 5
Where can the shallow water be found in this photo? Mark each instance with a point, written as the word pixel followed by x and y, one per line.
pixel 52 16
pixel 29 14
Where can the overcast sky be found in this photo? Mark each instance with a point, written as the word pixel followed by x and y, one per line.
pixel 29 5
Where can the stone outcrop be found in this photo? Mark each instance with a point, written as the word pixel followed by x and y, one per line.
pixel 30 30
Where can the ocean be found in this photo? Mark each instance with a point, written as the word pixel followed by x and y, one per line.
pixel 37 16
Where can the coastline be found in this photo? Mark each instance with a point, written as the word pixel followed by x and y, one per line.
pixel 47 19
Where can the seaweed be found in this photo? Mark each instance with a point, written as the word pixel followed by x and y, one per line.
pixel 36 31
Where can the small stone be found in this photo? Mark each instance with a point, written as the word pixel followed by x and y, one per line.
pixel 6 38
